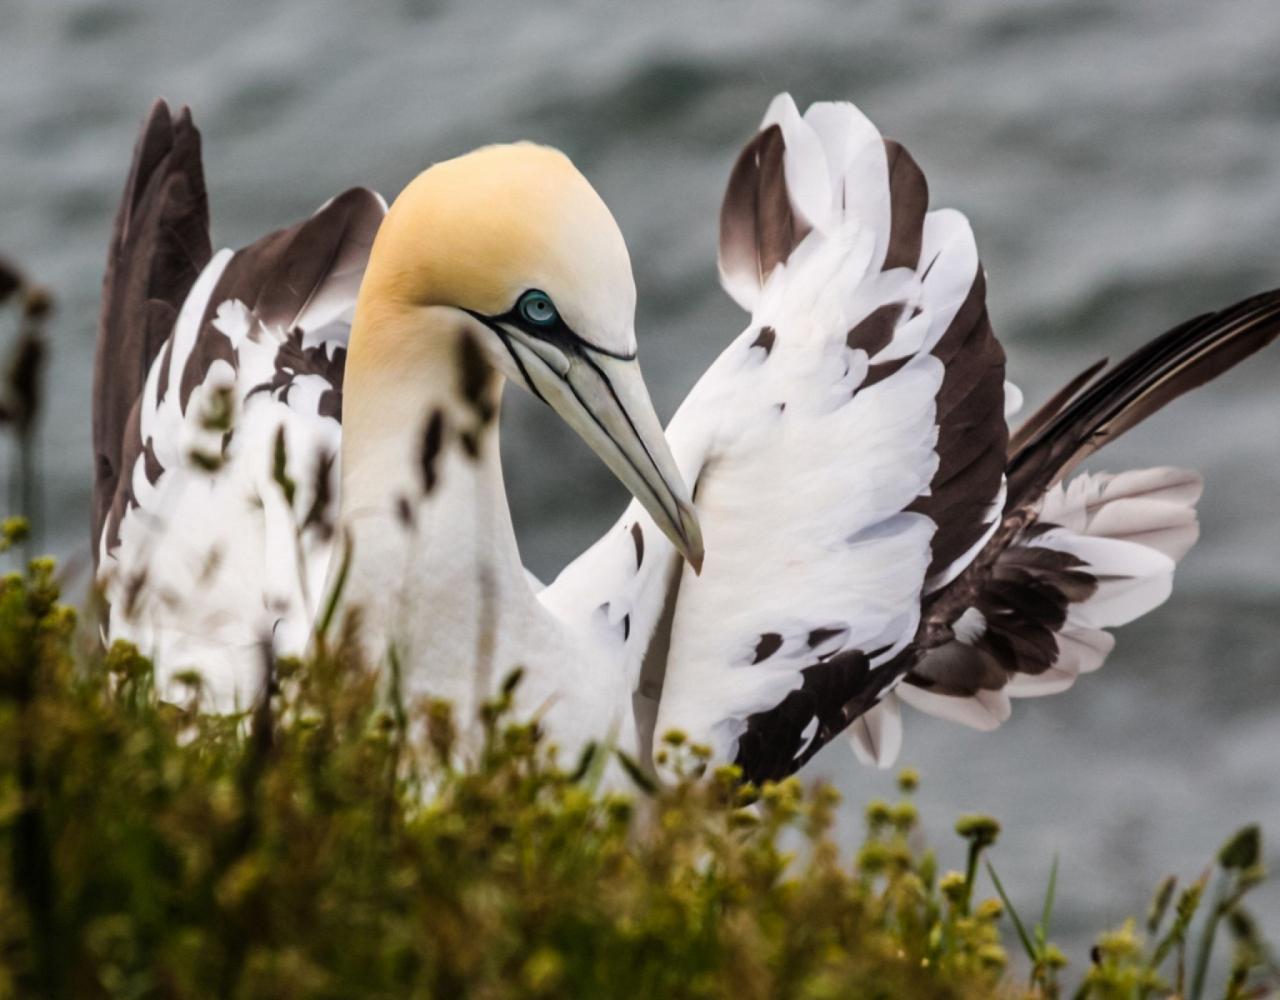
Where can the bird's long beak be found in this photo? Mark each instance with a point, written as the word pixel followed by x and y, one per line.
pixel 603 397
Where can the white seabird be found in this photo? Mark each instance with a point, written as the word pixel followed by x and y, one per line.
pixel 322 406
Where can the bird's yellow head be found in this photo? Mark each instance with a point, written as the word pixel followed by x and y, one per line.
pixel 479 231
pixel 512 245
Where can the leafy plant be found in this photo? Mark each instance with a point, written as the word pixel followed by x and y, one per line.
pixel 337 841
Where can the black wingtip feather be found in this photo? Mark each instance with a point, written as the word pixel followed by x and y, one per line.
pixel 1092 411
pixel 1038 420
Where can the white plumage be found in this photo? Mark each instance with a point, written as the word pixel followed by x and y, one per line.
pixel 871 533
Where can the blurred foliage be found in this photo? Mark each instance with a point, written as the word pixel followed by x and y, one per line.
pixel 336 843
pixel 21 383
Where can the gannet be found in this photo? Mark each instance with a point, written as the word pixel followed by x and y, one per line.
pixel 317 414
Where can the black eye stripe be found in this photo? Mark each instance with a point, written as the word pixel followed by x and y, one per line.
pixel 555 332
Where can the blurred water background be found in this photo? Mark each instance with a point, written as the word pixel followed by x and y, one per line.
pixel 1120 164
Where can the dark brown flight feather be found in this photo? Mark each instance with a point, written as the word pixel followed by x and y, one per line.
pixel 158 246
pixel 758 226
pixel 909 200
pixel 1052 406
pixel 1189 355
pixel 972 433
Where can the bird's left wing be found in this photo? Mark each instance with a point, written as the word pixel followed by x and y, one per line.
pixel 846 450
pixel 214 530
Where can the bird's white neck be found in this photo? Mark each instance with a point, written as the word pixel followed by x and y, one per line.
pixel 434 561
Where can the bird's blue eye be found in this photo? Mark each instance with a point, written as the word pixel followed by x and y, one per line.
pixel 537 308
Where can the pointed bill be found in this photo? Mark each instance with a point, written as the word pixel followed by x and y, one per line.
pixel 603 397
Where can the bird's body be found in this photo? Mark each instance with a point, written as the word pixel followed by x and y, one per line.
pixel 323 420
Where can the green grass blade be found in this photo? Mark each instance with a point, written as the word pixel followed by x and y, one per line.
pixel 1047 913
pixel 1204 951
pixel 1013 914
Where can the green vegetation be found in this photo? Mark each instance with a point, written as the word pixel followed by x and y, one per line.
pixel 335 843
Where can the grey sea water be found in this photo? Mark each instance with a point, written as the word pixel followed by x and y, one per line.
pixel 1119 161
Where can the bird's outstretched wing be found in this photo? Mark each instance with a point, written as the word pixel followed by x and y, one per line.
pixel 855 442
pixel 847 449
pixel 219 530
pixel 872 532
